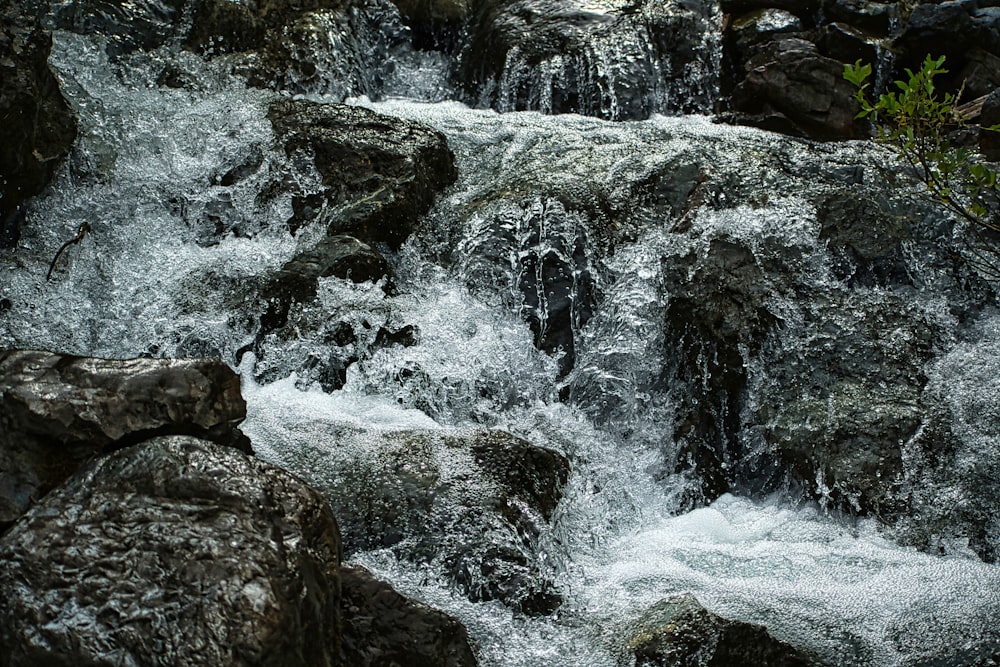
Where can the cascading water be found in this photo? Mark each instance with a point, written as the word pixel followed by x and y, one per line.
pixel 541 201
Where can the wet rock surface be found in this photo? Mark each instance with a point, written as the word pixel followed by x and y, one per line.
pixel 379 173
pixel 39 127
pixel 620 63
pixel 58 411
pixel 476 503
pixel 382 627
pixel 842 426
pixel 680 632
pixel 798 91
pixel 173 551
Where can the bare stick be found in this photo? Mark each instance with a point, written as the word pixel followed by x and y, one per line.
pixel 81 231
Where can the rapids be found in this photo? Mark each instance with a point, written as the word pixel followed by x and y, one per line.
pixel 145 171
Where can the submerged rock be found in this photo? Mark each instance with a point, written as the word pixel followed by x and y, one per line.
pixel 382 627
pixel 38 125
pixel 58 411
pixel 176 551
pixel 474 503
pixel 680 632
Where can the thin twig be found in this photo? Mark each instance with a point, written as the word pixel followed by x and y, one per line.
pixel 81 231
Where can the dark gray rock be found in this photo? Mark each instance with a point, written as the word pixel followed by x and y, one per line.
pixel 434 24
pixel 563 57
pixel 866 235
pixel 680 632
pixel 380 173
pixel 874 17
pixel 718 317
pixel 931 29
pixel 989 142
pixel 473 503
pixel 382 627
pixel 802 8
pixel 546 242
pixel 340 256
pixel 176 551
pixel 843 396
pixel 126 26
pixel 797 91
pixel 38 126
pixel 981 74
pixel 58 411
pixel 335 48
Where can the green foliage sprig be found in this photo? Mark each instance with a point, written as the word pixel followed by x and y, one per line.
pixel 916 121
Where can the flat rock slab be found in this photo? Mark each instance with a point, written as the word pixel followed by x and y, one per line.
pixel 57 411
pixel 175 552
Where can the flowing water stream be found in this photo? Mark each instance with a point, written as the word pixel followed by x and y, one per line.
pixel 145 281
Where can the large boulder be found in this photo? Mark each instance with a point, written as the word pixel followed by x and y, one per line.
pixel 680 632
pixel 797 90
pixel 175 551
pixel 38 125
pixel 473 503
pixel 382 627
pixel 58 411
pixel 623 62
pixel 379 173
pixel 842 398
pixel 719 318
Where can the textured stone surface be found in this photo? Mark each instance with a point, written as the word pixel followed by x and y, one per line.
pixel 340 256
pixel 382 627
pixel 38 126
pixel 474 503
pixel 173 552
pixel 680 632
pixel 379 173
pixel 619 62
pixel 796 90
pixel 842 399
pixel 57 411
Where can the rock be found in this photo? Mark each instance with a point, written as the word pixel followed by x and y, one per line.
pixel 846 44
pixel 568 57
pixel 874 17
pixel 680 632
pixel 989 142
pixel 474 503
pixel 58 411
pixel 176 551
pixel 334 48
pixel 865 234
pixel 931 29
pixel 380 173
pixel 39 127
pixel 382 627
pixel 127 26
pixel 546 242
pixel 802 8
pixel 434 24
pixel 718 316
pixel 841 426
pixel 797 91
pixel 340 256
pixel 981 74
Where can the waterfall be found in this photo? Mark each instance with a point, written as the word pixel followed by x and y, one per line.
pixel 561 291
